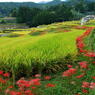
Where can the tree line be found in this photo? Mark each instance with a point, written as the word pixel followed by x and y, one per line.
pixel 70 10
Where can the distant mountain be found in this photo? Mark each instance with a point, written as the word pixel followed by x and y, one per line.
pixel 52 3
pixel 73 2
pixel 6 7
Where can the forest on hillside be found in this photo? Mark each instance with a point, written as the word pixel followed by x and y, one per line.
pixel 34 14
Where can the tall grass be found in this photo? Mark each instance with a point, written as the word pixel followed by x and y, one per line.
pixel 29 53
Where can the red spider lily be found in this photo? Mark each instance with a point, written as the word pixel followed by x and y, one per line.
pixel 92 85
pixel 84 91
pixel 80 45
pixel 38 75
pixel 23 83
pixel 69 66
pixel 35 82
pixel 2 81
pixel 69 72
pixel 15 93
pixel 83 65
pixel 33 87
pixel 47 77
pixel 1 72
pixel 27 84
pixel 6 74
pixel 50 85
pixel 80 76
pixel 85 84
pixel 83 51
pixel 7 91
pixel 88 31
pixel 93 77
pixel 78 39
pixel 10 86
pixel 28 92
pixel 90 54
pixel 93 62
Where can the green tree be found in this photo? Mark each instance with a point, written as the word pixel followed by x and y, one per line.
pixel 44 17
pixel 64 13
pixel 23 14
pixel 81 6
pixel 33 13
pixel 91 6
pixel 26 14
pixel 13 13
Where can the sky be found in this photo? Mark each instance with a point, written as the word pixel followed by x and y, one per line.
pixel 25 1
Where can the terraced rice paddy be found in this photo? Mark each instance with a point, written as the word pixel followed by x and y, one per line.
pixel 27 52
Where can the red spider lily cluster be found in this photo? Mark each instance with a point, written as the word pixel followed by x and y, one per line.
pixel 69 72
pixel 81 45
pixel 24 87
pixel 4 74
pixel 3 77
pixel 88 85
pixel 82 66
pixel 73 72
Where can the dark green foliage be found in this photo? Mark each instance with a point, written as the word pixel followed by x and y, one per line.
pixel 33 13
pixel 64 13
pixel 81 6
pixel 23 14
pixel 26 14
pixel 44 17
pixel 91 6
pixel 14 12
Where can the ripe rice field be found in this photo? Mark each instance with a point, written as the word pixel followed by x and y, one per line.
pixel 39 49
